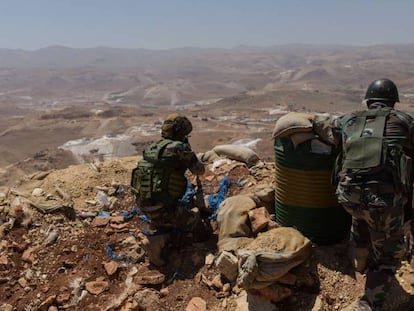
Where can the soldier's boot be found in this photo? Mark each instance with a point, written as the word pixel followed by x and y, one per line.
pixel 153 246
pixel 359 258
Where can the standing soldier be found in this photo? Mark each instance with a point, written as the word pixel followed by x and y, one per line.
pixel 159 183
pixel 374 185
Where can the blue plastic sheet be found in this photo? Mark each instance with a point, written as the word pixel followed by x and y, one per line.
pixel 188 196
pixel 134 211
pixel 104 214
pixel 144 218
pixel 112 255
pixel 115 257
pixel 214 200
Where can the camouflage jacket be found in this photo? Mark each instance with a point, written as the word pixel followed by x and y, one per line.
pixel 185 157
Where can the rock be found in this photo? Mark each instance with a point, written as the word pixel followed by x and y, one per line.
pixel 37 192
pixel 52 237
pixel 22 282
pixel 217 283
pixel 28 275
pixel 4 260
pixel 130 306
pixel 196 304
pixel 209 260
pixel 227 264
pixel 44 306
pixel 6 307
pixel 119 226
pixel 96 287
pixel 198 277
pixel 117 219
pixel 164 292
pixel 148 299
pixel 259 219
pixel 63 298
pixel 52 308
pixel 150 277
pixel 111 267
pixel 100 221
pixel 227 287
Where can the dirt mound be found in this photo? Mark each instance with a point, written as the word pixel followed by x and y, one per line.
pixel 44 160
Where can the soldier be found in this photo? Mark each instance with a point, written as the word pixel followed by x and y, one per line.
pixel 374 185
pixel 159 183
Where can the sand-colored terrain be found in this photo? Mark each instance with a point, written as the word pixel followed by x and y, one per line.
pixel 76 124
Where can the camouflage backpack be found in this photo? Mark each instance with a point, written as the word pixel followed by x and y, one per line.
pixel 146 179
pixel 157 178
pixel 366 151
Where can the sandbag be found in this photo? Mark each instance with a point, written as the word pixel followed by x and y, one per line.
pixel 270 256
pixel 292 122
pixel 299 138
pixel 233 222
pixel 208 156
pixel 238 153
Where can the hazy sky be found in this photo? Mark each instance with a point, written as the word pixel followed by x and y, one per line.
pixel 160 24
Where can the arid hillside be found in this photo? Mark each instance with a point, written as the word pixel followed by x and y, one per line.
pixel 73 123
pixel 57 96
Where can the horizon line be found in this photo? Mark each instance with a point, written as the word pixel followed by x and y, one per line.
pixel 240 46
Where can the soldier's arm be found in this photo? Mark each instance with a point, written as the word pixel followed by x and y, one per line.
pixel 196 167
pixel 189 159
pixel 327 127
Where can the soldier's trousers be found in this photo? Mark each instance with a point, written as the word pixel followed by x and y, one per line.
pixel 378 224
pixel 180 219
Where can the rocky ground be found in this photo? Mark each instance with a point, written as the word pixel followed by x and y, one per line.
pixel 71 241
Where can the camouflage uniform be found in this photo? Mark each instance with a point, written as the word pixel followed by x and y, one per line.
pixel 167 212
pixel 378 199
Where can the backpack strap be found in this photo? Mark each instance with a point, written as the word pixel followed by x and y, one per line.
pixel 153 151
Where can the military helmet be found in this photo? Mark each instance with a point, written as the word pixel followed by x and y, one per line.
pixel 176 127
pixel 382 90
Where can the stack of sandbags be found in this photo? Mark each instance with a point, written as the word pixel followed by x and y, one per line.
pixel 252 252
pixel 233 221
pixel 270 256
pixel 264 265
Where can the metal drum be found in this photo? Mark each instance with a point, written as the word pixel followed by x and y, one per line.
pixel 304 196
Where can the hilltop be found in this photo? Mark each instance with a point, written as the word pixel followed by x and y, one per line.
pixel 55 253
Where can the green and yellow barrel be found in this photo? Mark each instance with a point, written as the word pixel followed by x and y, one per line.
pixel 304 196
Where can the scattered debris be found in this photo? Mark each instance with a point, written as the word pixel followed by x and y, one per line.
pixel 49 261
